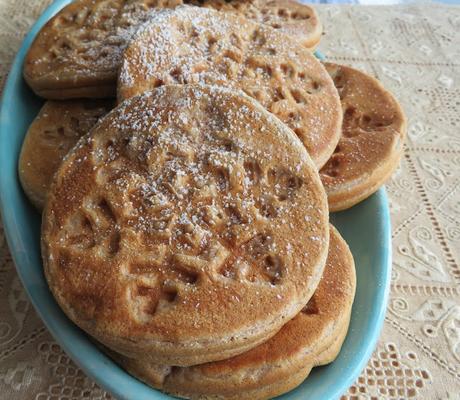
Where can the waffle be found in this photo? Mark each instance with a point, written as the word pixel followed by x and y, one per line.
pixel 371 144
pixel 51 135
pixel 297 20
pixel 78 51
pixel 314 337
pixel 189 226
pixel 198 45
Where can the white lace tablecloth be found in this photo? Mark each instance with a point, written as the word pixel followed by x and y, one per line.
pixel 415 51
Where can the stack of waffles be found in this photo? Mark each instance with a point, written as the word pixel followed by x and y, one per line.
pixel 185 164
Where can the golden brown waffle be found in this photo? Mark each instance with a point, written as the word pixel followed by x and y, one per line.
pixel 51 135
pixel 189 226
pixel 297 20
pixel 314 337
pixel 78 51
pixel 198 45
pixel 371 144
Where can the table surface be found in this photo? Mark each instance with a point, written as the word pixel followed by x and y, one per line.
pixel 414 49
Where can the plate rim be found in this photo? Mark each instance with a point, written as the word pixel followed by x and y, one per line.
pixel 115 380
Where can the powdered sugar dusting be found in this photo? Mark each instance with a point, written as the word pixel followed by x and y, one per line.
pixel 186 171
pixel 195 45
pixel 87 39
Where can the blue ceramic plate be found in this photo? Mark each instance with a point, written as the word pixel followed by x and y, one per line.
pixel 366 228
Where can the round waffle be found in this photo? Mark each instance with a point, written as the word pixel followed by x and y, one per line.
pixel 199 45
pixel 77 52
pixel 187 227
pixel 314 337
pixel 295 19
pixel 51 135
pixel 371 144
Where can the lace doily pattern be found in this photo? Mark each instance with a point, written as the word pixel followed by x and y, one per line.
pixel 413 50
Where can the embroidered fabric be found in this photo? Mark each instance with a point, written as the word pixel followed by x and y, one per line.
pixel 414 50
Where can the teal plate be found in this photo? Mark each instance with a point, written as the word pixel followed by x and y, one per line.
pixel 366 228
